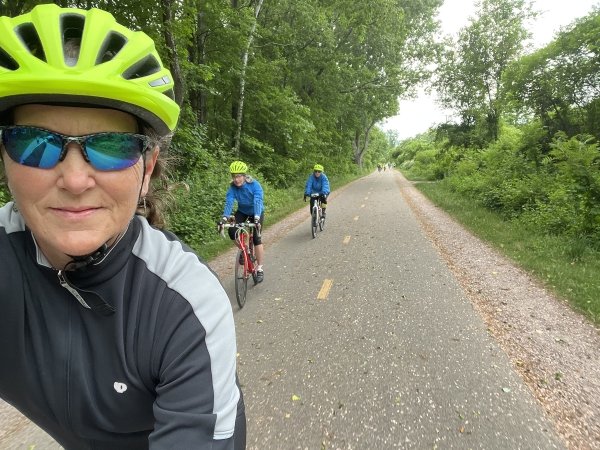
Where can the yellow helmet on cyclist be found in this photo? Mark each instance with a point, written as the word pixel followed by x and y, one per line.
pixel 318 168
pixel 111 66
pixel 238 167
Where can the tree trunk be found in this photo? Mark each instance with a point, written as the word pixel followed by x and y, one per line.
pixel 240 105
pixel 175 67
pixel 197 52
pixel 360 145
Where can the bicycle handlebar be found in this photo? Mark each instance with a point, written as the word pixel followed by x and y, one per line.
pixel 241 225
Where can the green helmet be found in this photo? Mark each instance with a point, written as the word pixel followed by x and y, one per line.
pixel 116 67
pixel 318 167
pixel 238 167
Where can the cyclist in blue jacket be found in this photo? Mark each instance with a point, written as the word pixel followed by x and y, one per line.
pixel 317 183
pixel 248 193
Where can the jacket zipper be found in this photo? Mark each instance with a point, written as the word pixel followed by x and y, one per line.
pixel 64 283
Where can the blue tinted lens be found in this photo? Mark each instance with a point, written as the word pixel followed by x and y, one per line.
pixel 35 147
pixel 114 151
pixel 32 147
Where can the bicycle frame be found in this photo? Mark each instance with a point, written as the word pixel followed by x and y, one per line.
pixel 245 241
pixel 317 220
pixel 244 234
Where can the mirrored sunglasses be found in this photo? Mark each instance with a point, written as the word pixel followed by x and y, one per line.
pixel 37 147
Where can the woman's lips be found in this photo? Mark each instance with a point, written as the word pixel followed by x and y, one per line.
pixel 81 212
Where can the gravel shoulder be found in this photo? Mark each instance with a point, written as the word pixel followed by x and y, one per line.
pixel 554 349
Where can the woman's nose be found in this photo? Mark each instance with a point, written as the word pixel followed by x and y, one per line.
pixel 75 173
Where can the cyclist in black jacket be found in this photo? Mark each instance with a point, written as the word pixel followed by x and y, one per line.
pixel 113 334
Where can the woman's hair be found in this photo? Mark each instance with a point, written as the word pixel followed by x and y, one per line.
pixel 159 195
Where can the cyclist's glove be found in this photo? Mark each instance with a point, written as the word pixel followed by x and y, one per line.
pixel 256 219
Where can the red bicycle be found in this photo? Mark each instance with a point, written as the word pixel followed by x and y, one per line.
pixel 245 259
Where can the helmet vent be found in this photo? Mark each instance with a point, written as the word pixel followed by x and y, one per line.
pixel 31 40
pixel 6 61
pixel 143 68
pixel 170 94
pixel 71 30
pixel 113 43
pixel 72 26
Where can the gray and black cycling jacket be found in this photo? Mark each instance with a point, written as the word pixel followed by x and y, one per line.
pixel 159 372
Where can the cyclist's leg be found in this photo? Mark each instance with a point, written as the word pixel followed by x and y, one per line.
pixel 323 203
pixel 259 251
pixel 231 232
pixel 312 203
pixel 240 217
pixel 258 247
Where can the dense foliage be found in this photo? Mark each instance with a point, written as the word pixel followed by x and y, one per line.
pixel 279 84
pixel 283 85
pixel 530 152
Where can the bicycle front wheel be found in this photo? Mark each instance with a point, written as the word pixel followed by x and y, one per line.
pixel 241 279
pixel 313 223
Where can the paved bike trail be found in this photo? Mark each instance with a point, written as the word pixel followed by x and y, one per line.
pixel 362 339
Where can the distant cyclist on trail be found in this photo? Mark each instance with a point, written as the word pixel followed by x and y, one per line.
pixel 249 196
pixel 317 183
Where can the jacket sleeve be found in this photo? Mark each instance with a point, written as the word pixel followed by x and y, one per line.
pixel 194 360
pixel 258 198
pixel 229 199
pixel 325 188
pixel 307 188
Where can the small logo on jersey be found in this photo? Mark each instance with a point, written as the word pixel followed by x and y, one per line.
pixel 120 387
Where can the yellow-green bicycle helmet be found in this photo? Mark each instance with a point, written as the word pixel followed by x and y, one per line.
pixel 318 167
pixel 238 167
pixel 116 67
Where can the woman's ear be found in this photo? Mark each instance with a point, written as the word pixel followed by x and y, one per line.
pixel 151 158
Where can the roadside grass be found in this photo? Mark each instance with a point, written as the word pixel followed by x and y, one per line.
pixel 569 268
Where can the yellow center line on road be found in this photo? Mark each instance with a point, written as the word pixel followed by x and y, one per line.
pixel 355 217
pixel 324 292
pixel 346 239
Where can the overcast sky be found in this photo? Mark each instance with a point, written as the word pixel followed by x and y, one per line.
pixel 416 116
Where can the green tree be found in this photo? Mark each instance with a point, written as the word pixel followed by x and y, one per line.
pixel 560 83
pixel 470 71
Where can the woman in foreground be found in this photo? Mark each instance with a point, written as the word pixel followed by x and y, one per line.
pixel 113 334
